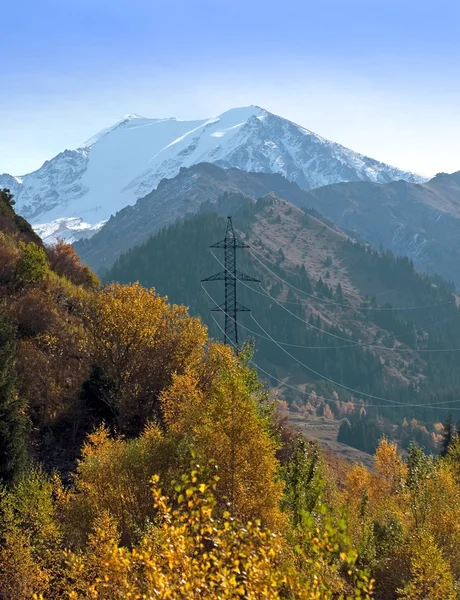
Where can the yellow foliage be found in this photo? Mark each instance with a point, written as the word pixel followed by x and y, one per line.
pixel 30 546
pixel 442 519
pixel 358 482
pixel 214 410
pixel 190 553
pixel 139 341
pixel 113 476
pixel 391 471
pixel 21 575
pixel 430 576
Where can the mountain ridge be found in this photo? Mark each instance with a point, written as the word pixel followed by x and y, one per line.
pixel 174 198
pixel 415 220
pixel 128 159
pixel 418 220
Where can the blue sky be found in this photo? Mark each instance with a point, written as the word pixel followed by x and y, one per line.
pixel 380 77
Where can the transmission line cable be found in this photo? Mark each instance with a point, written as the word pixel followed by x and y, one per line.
pixel 353 343
pixel 349 389
pixel 355 401
pixel 343 305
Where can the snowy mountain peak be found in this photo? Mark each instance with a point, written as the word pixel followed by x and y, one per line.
pixel 126 120
pixel 128 159
pixel 131 116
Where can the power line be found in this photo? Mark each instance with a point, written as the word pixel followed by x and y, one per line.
pixel 353 345
pixel 349 389
pixel 394 402
pixel 343 305
pixel 351 342
pixel 355 401
pixel 230 308
pixel 230 276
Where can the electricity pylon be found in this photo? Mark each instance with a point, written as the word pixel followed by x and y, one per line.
pixel 230 276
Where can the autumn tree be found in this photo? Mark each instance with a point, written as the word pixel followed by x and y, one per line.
pixel 113 476
pixel 137 341
pixel 217 409
pixel 391 470
pixel 430 576
pixel 65 262
pixel 194 551
pixel 31 552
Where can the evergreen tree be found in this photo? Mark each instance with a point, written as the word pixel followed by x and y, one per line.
pixel 339 293
pixel 448 435
pixel 14 423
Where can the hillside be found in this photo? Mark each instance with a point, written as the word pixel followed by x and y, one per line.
pixel 351 332
pixel 76 190
pixel 174 198
pixel 140 458
pixel 421 221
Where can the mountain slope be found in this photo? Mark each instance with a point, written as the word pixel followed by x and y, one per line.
pixel 129 159
pixel 421 221
pixel 174 198
pixel 393 358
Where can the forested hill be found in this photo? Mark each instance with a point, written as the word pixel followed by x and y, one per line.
pixel 172 199
pixel 418 220
pixel 343 326
pixel 138 458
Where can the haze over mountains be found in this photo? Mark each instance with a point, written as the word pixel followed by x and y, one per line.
pixel 322 297
pixel 421 221
pixel 71 194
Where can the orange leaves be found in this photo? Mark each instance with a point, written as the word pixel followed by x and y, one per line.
pixel 66 263
pixel 382 486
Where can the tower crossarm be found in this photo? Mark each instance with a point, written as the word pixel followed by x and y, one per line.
pixel 235 244
pixel 239 308
pixel 243 277
pixel 230 276
pixel 217 277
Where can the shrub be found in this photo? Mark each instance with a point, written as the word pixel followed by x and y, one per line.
pixel 32 265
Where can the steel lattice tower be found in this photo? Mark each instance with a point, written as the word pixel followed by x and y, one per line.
pixel 230 276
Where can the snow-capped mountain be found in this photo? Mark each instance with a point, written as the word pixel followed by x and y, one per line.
pixel 127 160
pixel 69 229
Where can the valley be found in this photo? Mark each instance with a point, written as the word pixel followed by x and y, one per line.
pixel 230 318
pixel 326 311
